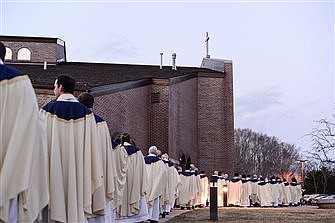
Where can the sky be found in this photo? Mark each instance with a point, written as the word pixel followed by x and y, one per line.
pixel 282 51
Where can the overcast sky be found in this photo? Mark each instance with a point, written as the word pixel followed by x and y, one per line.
pixel 282 51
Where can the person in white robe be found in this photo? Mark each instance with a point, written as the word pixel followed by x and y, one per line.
pixel 195 183
pixel 287 198
pixel 23 148
pixel 187 190
pixel 254 198
pixel 281 192
pixel 157 182
pixel 179 186
pixel 275 191
pixel 245 191
pixel 264 193
pixel 120 156
pixel 296 192
pixel 133 206
pixel 76 175
pixel 173 177
pixel 220 184
pixel 108 162
pixel 234 191
pixel 204 184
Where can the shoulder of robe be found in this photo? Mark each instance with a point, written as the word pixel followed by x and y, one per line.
pixel 7 73
pixel 131 149
pixel 151 159
pixel 67 110
pixel 98 118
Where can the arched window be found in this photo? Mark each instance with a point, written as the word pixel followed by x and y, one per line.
pixel 9 54
pixel 23 54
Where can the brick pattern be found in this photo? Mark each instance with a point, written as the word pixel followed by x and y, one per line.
pixel 183 124
pixel 159 118
pixel 215 124
pixel 43 99
pixel 127 111
pixel 40 52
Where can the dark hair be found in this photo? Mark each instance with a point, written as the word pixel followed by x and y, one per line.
pixel 86 99
pixel 2 51
pixel 125 137
pixel 67 82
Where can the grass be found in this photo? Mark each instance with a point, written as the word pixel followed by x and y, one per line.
pixel 305 214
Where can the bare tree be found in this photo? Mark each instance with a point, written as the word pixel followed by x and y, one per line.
pixel 323 138
pixel 258 153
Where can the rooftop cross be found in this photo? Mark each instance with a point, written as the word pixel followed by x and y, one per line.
pixel 207 40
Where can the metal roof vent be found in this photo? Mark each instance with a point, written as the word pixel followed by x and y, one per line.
pixel 161 66
pixel 174 56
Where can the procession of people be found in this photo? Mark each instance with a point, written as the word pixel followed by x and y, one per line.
pixel 60 164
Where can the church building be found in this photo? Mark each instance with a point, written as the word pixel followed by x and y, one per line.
pixel 184 111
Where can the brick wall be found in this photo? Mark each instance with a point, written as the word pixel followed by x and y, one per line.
pixel 183 125
pixel 43 99
pixel 127 111
pixel 215 123
pixel 159 118
pixel 40 52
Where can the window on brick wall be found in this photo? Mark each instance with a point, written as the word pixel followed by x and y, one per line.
pixel 9 54
pixel 23 54
pixel 155 97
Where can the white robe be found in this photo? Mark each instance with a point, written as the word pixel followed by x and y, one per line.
pixel 264 194
pixel 157 183
pixel 171 189
pixel 234 192
pixel 253 196
pixel 296 193
pixel 109 171
pixel 204 190
pixel 120 157
pixel 245 193
pixel 287 198
pixel 74 160
pixel 275 191
pixel 23 160
pixel 133 206
pixel 220 184
pixel 187 191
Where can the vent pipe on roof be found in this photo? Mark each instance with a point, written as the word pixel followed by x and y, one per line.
pixel 45 65
pixel 161 66
pixel 174 56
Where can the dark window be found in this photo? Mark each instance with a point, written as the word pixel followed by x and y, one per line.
pixel 155 97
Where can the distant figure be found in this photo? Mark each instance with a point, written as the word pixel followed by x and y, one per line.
pixel 173 181
pixel 234 191
pixel 133 205
pixel 157 183
pixel 296 192
pixel 76 175
pixel 108 162
pixel 23 148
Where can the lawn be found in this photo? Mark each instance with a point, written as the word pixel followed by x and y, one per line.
pixel 305 214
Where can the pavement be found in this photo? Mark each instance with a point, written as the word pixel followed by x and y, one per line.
pixel 175 212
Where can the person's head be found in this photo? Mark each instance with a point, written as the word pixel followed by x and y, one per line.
pixel 64 84
pixel 125 137
pixel 152 150
pixel 165 156
pixel 86 99
pixel 2 51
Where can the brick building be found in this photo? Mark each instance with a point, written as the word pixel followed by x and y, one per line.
pixel 187 111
